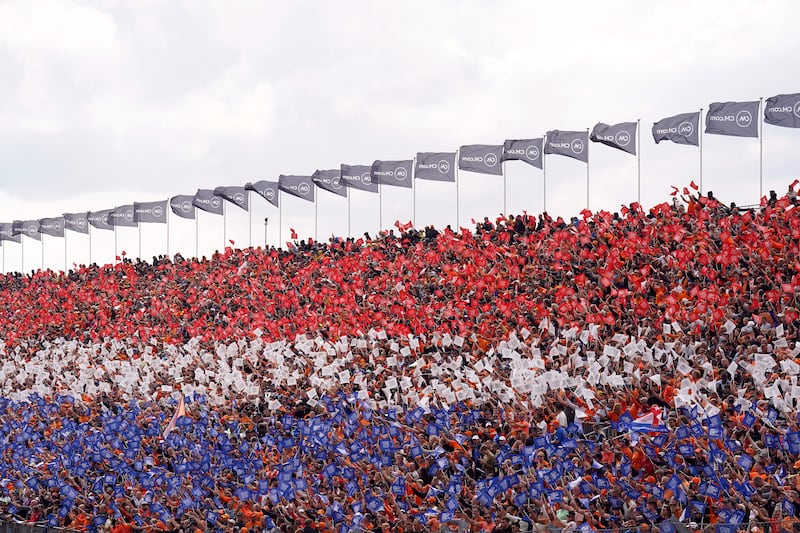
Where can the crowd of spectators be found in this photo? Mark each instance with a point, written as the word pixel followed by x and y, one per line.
pixel 623 371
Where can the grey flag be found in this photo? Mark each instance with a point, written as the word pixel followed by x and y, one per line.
pixel 527 150
pixel 739 119
pixel 330 180
pixel 235 194
pixel 436 166
pixel 783 110
pixel 300 186
pixel 30 228
pixel 574 144
pixel 621 136
pixel 182 206
pixel 395 173
pixel 150 212
pixel 206 200
pixel 52 226
pixel 123 216
pixel 358 177
pixel 16 228
pixel 482 158
pixel 7 233
pixel 680 129
pixel 266 189
pixel 77 222
pixel 100 219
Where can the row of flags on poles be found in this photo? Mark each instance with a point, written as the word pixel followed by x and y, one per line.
pixel 723 118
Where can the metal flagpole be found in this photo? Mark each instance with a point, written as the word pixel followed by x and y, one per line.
pixel 544 176
pixel 587 170
pixel 169 208
pixel 197 234
pixel 639 161
pixel 224 226
pixel 42 246
pixel 22 259
pixel 349 193
pixel 115 235
pixel 761 150
pixel 505 188
pixel 90 244
pixel 280 220
pixel 266 223
pixel 700 141
pixel 380 208
pixel 316 204
pixel 249 222
pixel 414 196
pixel 458 213
pixel 65 251
pixel 139 227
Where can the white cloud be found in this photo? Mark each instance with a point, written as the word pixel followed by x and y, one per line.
pixel 233 106
pixel 177 95
pixel 53 26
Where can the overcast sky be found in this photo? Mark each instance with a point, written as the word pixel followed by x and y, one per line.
pixel 103 103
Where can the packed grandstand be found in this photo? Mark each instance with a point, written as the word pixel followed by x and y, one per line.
pixel 623 371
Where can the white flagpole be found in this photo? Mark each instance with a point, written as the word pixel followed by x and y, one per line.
pixel 544 176
pixel 249 221
pixel 115 234
pixel 22 259
pixel 700 141
pixel 414 194
pixel 761 150
pixel 639 161
pixel 349 194
pixel 65 250
pixel 380 209
pixel 505 188
pixel 587 168
pixel 224 226
pixel 316 211
pixel 42 246
pixel 139 227
pixel 458 212
pixel 280 220
pixel 169 208
pixel 197 234
pixel 90 243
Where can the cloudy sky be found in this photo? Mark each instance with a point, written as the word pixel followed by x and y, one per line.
pixel 107 102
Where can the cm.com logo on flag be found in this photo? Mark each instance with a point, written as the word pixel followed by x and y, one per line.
pixel 786 109
pixel 742 119
pixel 489 159
pixel 684 128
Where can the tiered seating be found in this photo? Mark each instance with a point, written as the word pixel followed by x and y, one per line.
pixel 603 373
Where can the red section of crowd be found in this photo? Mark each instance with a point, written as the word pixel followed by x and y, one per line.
pixel 614 270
